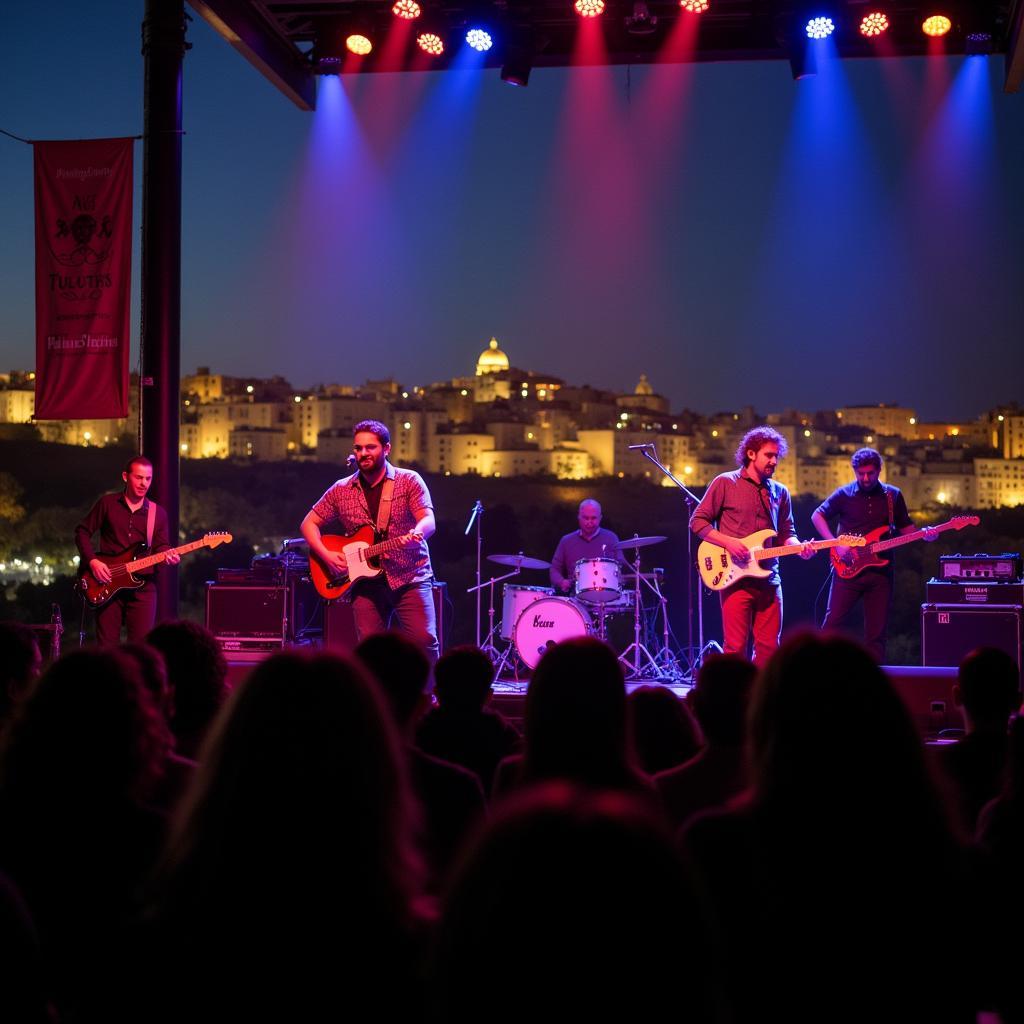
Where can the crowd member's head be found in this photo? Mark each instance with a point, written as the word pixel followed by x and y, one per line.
pixel 301 774
pixel 576 881
pixel 20 664
pixel 462 679
pixel 664 731
pixel 721 698
pixel 828 730
pixel 575 716
pixel 403 673
pixel 197 674
pixel 88 733
pixel 154 675
pixel 988 688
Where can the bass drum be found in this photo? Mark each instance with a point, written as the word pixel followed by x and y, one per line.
pixel 514 600
pixel 547 622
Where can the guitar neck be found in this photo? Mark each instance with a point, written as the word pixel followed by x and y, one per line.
pixel 383 547
pixel 145 563
pixel 908 538
pixel 793 549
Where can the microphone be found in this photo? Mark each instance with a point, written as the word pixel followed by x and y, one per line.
pixel 635 447
pixel 477 509
pixel 350 462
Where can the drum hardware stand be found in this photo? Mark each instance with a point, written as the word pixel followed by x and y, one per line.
pixel 642 659
pixel 665 658
pixel 477 516
pixel 694 593
pixel 488 647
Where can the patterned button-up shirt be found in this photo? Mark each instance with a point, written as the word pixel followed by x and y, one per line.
pixel 345 502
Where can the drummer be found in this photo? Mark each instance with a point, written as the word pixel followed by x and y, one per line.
pixel 589 541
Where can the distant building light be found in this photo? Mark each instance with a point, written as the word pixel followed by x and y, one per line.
pixel 525 392
pixel 714 433
pixel 298 398
pixel 675 426
pixel 87 435
pixel 955 431
pixel 39 560
pixel 529 435
pixel 624 416
pixel 463 392
pixel 187 402
pixel 687 469
pixel 807 433
pixel 735 415
pixel 941 497
pixel 621 474
pixel 542 391
pixel 870 438
pixel 1001 417
pixel 405 394
pixel 407 425
pixel 249 389
pixel 913 420
pixel 447 472
pixel 184 447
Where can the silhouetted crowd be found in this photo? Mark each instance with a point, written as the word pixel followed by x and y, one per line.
pixel 341 839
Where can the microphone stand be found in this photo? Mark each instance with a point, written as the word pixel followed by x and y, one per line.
pixel 477 516
pixel 692 591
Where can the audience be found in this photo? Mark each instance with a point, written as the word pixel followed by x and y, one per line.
pixel 719 772
pixel 20 664
pixel 77 836
pixel 988 692
pixel 451 797
pixel 571 905
pixel 291 857
pixel 836 888
pixel 663 731
pixel 462 729
pixel 575 723
pixel 197 673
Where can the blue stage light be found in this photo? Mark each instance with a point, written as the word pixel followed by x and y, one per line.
pixel 820 28
pixel 479 39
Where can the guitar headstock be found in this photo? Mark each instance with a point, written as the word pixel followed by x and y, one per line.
pixel 212 540
pixel 959 522
pixel 852 540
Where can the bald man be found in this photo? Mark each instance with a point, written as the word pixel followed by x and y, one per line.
pixel 589 541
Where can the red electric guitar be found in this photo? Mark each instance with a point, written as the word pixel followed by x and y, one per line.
pixel 863 558
pixel 358 548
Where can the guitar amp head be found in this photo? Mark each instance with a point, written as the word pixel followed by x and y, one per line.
pixel 1005 568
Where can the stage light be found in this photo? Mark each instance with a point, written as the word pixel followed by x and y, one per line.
pixel 694 6
pixel 978 44
pixel 479 39
pixel 430 42
pixel 641 22
pixel 936 25
pixel 589 8
pixel 520 50
pixel 358 44
pixel 820 28
pixel 407 9
pixel 873 24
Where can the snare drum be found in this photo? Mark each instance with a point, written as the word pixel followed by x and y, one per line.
pixel 547 622
pixel 514 599
pixel 598 580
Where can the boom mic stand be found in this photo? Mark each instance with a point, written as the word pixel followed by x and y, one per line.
pixel 477 516
pixel 693 593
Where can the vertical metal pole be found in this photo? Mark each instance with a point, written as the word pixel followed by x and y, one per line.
pixel 163 47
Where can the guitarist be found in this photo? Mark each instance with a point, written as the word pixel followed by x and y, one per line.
pixel 861 506
pixel 735 505
pixel 395 502
pixel 123 519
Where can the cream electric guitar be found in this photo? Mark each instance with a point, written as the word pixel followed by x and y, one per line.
pixel 718 569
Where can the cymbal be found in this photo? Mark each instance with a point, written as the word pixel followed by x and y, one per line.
pixel 638 542
pixel 519 561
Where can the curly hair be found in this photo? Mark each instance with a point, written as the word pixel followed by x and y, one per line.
pixel 373 427
pixel 756 439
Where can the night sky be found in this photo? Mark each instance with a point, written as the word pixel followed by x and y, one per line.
pixel 741 238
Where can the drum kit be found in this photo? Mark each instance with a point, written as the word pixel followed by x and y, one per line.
pixel 535 618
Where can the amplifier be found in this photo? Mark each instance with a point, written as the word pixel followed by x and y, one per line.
pixel 949 632
pixel 247 616
pixel 974 591
pixel 1005 567
pixel 340 627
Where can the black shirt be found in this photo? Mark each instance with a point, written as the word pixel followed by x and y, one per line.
pixel 372 495
pixel 860 512
pixel 120 528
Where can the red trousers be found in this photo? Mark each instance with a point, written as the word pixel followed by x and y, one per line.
pixel 752 608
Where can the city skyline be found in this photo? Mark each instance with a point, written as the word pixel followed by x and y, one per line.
pixel 741 238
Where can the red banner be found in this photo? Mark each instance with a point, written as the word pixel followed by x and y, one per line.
pixel 83 278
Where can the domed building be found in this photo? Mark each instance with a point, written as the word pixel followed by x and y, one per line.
pixel 492 359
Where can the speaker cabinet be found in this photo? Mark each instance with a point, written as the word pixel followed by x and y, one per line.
pixel 247 617
pixel 340 627
pixel 949 632
pixel 927 693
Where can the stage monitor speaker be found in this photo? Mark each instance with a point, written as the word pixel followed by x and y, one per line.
pixel 340 627
pixel 949 632
pixel 247 617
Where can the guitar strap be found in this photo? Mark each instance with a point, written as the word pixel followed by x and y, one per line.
pixel 384 511
pixel 150 521
pixel 892 515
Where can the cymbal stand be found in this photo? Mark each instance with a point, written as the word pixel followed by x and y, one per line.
pixel 642 664
pixel 488 647
pixel 665 658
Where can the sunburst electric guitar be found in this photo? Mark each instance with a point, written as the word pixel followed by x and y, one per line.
pixel 361 554
pixel 718 569
pixel 858 561
pixel 123 566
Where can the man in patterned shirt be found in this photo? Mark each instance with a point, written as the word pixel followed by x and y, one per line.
pixel 403 591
